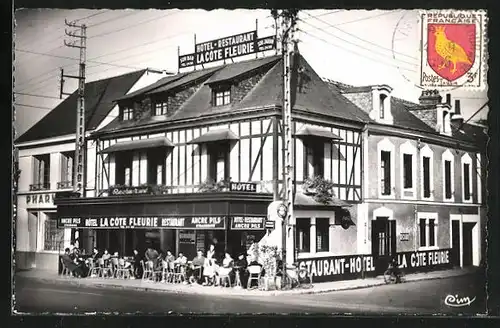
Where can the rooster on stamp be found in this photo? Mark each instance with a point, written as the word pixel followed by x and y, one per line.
pixel 453 51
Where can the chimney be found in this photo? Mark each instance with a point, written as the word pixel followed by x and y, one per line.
pixel 448 99
pixel 457 119
pixel 430 97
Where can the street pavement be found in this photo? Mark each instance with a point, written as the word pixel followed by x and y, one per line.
pixel 425 297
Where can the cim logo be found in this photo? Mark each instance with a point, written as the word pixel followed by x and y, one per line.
pixel 455 301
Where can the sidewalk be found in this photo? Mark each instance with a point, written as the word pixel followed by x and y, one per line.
pixel 51 277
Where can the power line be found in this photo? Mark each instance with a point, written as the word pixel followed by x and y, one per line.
pixel 115 18
pixel 355 44
pixel 370 17
pixel 33 95
pixel 131 26
pixel 324 14
pixel 363 40
pixel 354 52
pixel 92 15
pixel 38 107
pixel 471 117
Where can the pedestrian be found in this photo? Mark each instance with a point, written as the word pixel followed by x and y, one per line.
pixel 241 265
pixel 137 264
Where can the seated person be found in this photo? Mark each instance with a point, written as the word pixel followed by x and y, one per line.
pixel 169 257
pixel 181 260
pixel 95 254
pixel 70 263
pixel 151 254
pixel 241 264
pixel 197 266
pixel 227 266
pixel 209 271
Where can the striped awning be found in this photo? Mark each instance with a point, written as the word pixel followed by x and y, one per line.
pixel 309 131
pixel 215 136
pixel 157 142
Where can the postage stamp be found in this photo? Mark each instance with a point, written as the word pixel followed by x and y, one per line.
pixel 453 49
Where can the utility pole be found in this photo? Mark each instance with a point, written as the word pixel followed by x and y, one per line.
pixel 78 162
pixel 288 21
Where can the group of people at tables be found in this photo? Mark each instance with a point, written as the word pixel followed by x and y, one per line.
pixel 203 269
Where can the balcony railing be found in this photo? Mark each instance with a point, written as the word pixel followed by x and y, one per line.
pixel 40 186
pixel 65 185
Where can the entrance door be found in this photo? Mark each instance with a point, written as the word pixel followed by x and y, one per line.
pixel 467 243
pixel 455 241
pixel 383 242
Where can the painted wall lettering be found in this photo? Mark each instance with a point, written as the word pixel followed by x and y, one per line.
pixel 338 267
pixel 40 200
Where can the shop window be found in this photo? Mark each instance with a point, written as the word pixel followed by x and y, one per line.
pixel 127 113
pixel 322 234
pixel 385 173
pixel 222 96
pixel 218 155
pixel 447 179
pixel 467 181
pixel 53 236
pixel 123 162
pixel 427 176
pixel 156 166
pixel 315 158
pixel 303 234
pixel 161 108
pixel 407 171
pixel 41 172
pixel 427 230
pixel 66 170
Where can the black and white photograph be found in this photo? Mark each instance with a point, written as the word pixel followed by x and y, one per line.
pixel 250 161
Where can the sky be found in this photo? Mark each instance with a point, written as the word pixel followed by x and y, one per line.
pixel 355 47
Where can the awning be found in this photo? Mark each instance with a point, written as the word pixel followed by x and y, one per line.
pixel 302 200
pixel 138 144
pixel 318 133
pixel 214 136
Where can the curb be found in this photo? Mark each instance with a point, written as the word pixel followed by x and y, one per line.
pixel 232 293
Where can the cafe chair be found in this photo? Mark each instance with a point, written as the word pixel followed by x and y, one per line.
pixel 94 268
pixel 224 277
pixel 65 271
pixel 147 271
pixel 254 274
pixel 121 270
pixel 180 274
pixel 105 270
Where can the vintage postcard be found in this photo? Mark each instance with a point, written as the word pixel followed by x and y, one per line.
pixel 250 161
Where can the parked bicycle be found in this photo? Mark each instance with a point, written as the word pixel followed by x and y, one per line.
pixel 393 274
pixel 295 277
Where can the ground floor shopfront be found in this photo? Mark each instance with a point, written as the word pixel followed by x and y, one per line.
pixel 179 223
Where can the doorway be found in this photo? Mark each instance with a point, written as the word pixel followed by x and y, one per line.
pixel 455 241
pixel 383 242
pixel 467 243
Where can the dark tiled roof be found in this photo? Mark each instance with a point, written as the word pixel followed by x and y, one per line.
pixel 157 84
pixel 99 97
pixel 476 133
pixel 313 96
pixel 404 119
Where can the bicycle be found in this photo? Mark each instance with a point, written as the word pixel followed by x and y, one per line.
pixel 295 277
pixel 391 275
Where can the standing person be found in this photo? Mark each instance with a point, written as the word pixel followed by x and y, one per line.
pixel 95 254
pixel 242 265
pixel 151 254
pixel 137 264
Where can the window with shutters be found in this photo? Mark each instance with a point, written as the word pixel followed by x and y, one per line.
pixel 467 178
pixel 408 164
pixel 427 173
pixel 322 234
pixel 41 172
pixel 123 168
pixel 315 158
pixel 448 176
pixel 428 228
pixel 221 95
pixel 303 235
pixel 407 171
pixel 385 173
pixel 66 180
pixel 53 236
pixel 156 166
pixel 218 164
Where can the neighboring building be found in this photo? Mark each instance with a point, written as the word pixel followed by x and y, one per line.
pixel 423 179
pixel 46 153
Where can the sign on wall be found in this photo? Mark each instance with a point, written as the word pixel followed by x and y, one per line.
pixel 187 237
pixel 247 222
pixel 348 267
pixel 226 48
pixel 243 186
pixel 40 200
pixel 198 222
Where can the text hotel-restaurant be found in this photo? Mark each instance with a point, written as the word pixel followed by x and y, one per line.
pixel 408 177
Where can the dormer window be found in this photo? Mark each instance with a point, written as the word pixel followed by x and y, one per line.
pixel 445 114
pixel 222 96
pixel 382 106
pixel 127 113
pixel 161 108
